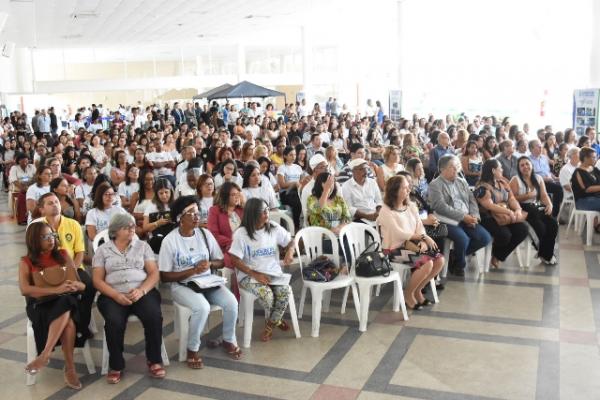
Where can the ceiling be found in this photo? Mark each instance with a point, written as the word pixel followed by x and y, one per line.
pixel 123 23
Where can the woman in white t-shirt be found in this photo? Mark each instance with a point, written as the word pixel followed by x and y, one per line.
pixel 288 177
pixel 254 186
pixel 205 190
pixel 35 191
pixel 98 218
pixel 157 218
pixel 83 191
pixel 187 255
pixel 129 186
pixel 228 173
pixel 255 254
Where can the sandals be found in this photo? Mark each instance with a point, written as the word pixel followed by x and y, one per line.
pixel 29 369
pixel 113 377
pixel 157 371
pixel 268 331
pixel 284 326
pixel 194 361
pixel 71 379
pixel 232 350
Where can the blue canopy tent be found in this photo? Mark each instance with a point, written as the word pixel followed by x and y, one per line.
pixel 245 89
pixel 212 91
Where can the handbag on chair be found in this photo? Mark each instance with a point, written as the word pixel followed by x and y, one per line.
pixel 372 262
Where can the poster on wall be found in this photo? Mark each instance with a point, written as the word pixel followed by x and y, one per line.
pixel 585 109
pixel 300 96
pixel 395 105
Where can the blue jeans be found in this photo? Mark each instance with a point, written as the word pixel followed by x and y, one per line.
pixel 467 240
pixel 200 303
pixel 589 203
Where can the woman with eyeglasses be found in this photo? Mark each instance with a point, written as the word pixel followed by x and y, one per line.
pixel 255 255
pixel 125 273
pixel 53 312
pixel 99 216
pixel 187 256
pixel 35 191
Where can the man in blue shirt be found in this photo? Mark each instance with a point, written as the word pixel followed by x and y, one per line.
pixel 590 132
pixel 541 167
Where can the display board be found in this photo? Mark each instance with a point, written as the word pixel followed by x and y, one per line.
pixel 585 109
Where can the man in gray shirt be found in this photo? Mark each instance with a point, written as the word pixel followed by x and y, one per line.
pixel 450 198
pixel 507 159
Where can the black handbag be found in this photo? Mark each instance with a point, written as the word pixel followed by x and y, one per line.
pixel 321 269
pixel 438 231
pixel 372 262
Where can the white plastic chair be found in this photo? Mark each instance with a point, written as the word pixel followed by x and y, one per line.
pixel 355 234
pixel 246 314
pixel 528 243
pixel 312 238
pixel 485 252
pixel 280 217
pixel 32 354
pixel 132 318
pixel 568 200
pixel 581 217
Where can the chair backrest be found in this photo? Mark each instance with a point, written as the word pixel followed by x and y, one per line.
pixel 355 235
pixel 312 239
pixel 101 238
pixel 288 223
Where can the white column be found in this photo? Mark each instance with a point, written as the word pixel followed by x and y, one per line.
pixel 241 62
pixel 307 63
pixel 595 50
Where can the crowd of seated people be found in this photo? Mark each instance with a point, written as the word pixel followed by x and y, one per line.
pixel 186 193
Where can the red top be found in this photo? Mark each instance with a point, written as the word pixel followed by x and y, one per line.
pixel 45 261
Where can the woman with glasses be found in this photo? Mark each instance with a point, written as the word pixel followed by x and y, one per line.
pixel 98 217
pixel 255 255
pixel 187 256
pixel 54 312
pixel 125 273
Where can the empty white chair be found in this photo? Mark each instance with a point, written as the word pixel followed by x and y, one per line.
pixel 32 353
pixel 246 314
pixel 132 318
pixel 355 234
pixel 279 217
pixel 312 238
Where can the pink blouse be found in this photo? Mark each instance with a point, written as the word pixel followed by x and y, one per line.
pixel 398 226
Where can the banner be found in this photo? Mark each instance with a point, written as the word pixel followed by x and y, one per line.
pixel 395 104
pixel 585 109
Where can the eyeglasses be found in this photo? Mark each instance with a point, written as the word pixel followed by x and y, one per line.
pixel 49 236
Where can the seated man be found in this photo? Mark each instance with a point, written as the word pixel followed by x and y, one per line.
pixel 541 166
pixel 507 159
pixel 450 197
pixel 357 151
pixel 362 193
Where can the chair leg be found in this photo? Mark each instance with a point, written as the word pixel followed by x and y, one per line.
pixel 590 229
pixel 104 370
pixel 356 300
pixel 571 215
pixel 317 301
pixel 399 299
pixel 293 314
pixel 447 244
pixel 87 356
pixel 93 327
pixel 434 291
pixel 326 300
pixel 365 300
pixel 248 319
pixel 344 300
pixel 529 244
pixel 519 257
pixel 165 355
pixel 302 300
pixel 377 290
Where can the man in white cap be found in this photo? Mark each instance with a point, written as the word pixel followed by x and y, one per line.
pixel 361 192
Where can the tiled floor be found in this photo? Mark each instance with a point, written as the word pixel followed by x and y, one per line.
pixel 512 334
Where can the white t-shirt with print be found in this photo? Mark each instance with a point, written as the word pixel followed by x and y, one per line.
pixel 262 253
pixel 126 191
pixel 101 218
pixel 178 253
pixel 264 192
pixel 291 173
